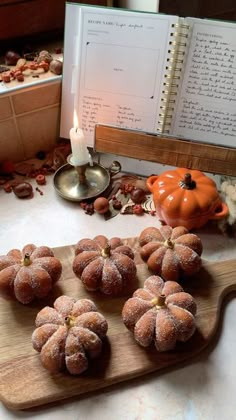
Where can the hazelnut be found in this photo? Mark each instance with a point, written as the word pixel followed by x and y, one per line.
pixel 56 67
pixel 101 205
pixel 23 190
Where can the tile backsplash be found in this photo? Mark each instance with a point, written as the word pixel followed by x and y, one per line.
pixel 29 120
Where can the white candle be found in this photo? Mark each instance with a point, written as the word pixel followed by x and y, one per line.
pixel 80 153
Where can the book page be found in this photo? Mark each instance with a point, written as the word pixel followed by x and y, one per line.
pixel 206 104
pixel 120 71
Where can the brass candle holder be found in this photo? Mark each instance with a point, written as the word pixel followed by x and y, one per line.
pixel 81 182
pixel 81 169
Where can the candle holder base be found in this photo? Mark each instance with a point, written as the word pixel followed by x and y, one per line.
pixel 81 182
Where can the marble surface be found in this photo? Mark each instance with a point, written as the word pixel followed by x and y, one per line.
pixel 203 389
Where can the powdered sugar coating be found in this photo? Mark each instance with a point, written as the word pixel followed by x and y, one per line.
pixel 30 273
pixel 7 261
pixel 93 321
pixel 69 334
pixel 7 277
pixel 171 287
pixel 48 315
pixel 42 334
pixel 170 252
pixel 133 310
pixel 150 234
pixel 189 240
pixel 189 261
pixel 64 305
pixel 125 250
pixel 144 329
pixel 83 305
pixel 110 281
pixel 81 343
pixel 86 244
pixel 104 265
pixel 154 284
pixel 161 313
pixel 15 254
pixel 52 354
pixel 39 252
pixel 32 281
pixel 166 331
pixel 91 274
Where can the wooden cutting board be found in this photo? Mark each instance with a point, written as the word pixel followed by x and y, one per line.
pixel 24 383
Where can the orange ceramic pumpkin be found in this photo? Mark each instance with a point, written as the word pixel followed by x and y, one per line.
pixel 184 197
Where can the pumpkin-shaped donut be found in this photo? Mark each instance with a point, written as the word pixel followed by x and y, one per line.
pixel 171 252
pixel 160 312
pixel 104 265
pixel 69 334
pixel 30 273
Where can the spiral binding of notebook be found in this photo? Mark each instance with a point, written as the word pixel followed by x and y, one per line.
pixel 175 60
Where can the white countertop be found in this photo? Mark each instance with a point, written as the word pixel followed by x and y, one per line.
pixel 204 389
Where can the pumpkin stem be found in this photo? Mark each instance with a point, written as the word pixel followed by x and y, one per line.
pixel 159 301
pixel 187 183
pixel 27 260
pixel 69 321
pixel 106 252
pixel 169 243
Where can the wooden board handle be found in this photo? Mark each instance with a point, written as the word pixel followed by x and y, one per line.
pixel 122 358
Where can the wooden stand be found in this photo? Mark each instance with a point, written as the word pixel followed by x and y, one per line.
pixel 166 150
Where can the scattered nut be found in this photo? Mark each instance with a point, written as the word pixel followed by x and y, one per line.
pixel 11 58
pixel 7 188
pixel 117 205
pixel 6 77
pixel 23 190
pixel 101 205
pixel 56 67
pixel 44 56
pixel 40 179
pixel 138 195
pixel 20 77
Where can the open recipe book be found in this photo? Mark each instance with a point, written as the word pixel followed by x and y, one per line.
pixel 146 71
